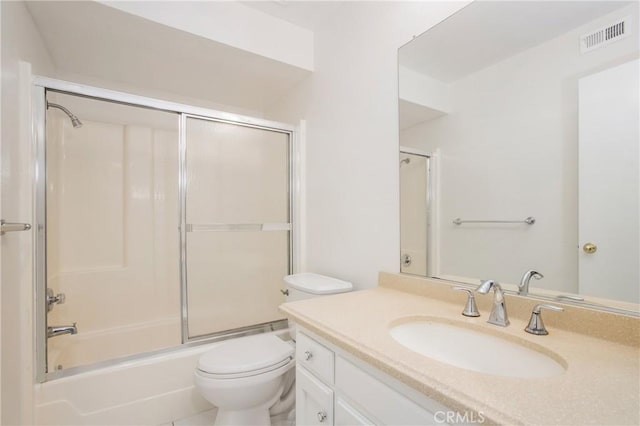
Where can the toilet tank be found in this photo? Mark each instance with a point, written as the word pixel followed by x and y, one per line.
pixel 308 285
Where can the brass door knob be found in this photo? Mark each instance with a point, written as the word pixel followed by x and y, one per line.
pixel 589 248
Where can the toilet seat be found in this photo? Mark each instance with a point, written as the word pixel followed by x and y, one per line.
pixel 246 357
pixel 244 374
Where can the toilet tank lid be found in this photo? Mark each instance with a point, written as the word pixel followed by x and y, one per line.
pixel 245 354
pixel 309 282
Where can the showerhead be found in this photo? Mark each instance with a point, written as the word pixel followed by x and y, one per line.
pixel 405 161
pixel 75 121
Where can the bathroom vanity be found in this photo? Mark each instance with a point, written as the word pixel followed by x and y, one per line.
pixel 351 370
pixel 333 387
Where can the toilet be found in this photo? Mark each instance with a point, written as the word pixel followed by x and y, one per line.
pixel 309 285
pixel 251 378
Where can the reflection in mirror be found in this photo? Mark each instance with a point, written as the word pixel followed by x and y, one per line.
pixel 415 187
pixel 533 111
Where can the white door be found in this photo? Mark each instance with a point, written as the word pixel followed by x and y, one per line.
pixel 609 198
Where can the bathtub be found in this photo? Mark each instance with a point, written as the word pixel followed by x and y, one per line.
pixel 92 347
pixel 151 390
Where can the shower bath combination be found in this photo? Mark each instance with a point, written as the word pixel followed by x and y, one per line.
pixel 75 121
pixel 128 165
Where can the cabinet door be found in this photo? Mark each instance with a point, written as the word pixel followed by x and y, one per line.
pixel 381 401
pixel 314 400
pixel 346 415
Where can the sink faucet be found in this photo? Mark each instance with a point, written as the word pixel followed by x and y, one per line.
pixel 58 330
pixel 498 314
pixel 523 287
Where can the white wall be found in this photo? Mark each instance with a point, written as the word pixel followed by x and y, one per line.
pixel 20 41
pixel 351 162
pixel 509 150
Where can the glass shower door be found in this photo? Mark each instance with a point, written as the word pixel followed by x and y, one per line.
pixel 110 240
pixel 237 222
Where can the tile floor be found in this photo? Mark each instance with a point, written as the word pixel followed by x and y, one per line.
pixel 206 418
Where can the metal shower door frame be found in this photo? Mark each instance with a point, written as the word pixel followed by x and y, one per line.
pixel 187 227
pixel 38 103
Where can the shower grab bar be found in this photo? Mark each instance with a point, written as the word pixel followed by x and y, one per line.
pixel 226 227
pixel 529 221
pixel 12 227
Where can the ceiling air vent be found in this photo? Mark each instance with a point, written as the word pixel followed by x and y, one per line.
pixel 604 35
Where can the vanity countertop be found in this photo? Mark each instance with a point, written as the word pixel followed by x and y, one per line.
pixel 601 384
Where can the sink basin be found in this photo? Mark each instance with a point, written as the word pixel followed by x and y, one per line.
pixel 467 348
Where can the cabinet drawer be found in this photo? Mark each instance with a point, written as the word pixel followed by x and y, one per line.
pixel 315 357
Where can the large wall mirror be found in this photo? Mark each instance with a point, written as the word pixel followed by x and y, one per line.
pixel 519 148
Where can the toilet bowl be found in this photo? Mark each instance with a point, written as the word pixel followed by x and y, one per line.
pixel 251 378
pixel 245 377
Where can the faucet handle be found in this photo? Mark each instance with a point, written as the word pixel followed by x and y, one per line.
pixel 536 326
pixel 54 299
pixel 470 308
pixel 541 306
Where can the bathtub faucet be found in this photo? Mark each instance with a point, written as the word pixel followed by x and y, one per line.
pixel 57 330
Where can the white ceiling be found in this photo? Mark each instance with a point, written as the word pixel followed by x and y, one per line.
pixel 90 39
pixel 486 32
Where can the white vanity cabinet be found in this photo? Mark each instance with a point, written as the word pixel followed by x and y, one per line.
pixel 335 388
